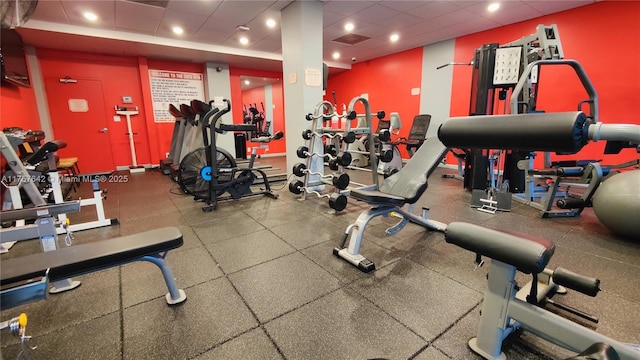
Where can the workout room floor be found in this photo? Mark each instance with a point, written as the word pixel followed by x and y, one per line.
pixel 262 282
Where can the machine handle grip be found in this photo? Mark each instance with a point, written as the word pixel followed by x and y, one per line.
pixel 584 284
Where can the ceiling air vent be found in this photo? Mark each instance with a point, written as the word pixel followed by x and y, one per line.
pixel 156 3
pixel 351 39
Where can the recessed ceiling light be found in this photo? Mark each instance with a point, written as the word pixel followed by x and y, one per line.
pixel 247 82
pixel 394 37
pixel 349 26
pixel 177 30
pixel 336 55
pixel 493 6
pixel 271 23
pixel 244 40
pixel 90 16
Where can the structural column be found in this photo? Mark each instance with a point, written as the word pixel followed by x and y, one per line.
pixel 302 69
pixel 217 87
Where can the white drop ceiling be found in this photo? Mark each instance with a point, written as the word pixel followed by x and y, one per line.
pixel 210 27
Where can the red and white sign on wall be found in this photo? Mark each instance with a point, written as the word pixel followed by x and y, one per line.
pixel 173 87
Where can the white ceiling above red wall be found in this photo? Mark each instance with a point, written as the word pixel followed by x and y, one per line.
pixel 211 27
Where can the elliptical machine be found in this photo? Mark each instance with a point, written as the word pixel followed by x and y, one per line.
pixel 208 173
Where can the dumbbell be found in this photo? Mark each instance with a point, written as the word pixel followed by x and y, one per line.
pixel 324 117
pixel 337 201
pixel 342 158
pixel 384 135
pixel 306 134
pixel 349 137
pixel 340 181
pixel 386 156
pixel 330 149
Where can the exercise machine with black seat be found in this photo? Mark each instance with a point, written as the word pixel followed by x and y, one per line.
pixel 176 140
pixel 210 172
pixel 41 188
pixel 507 309
pixel 412 142
pixel 417 134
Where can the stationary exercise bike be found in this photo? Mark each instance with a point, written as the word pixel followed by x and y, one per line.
pixel 209 172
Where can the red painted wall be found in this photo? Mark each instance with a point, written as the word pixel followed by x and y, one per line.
pixel 388 81
pixel 120 77
pixel 18 107
pixel 275 147
pixel 603 38
pixel 253 96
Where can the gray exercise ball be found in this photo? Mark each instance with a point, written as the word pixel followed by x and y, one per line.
pixel 617 204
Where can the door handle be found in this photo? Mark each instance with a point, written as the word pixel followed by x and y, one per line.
pixel 104 130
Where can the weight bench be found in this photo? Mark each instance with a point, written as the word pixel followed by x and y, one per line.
pixel 504 310
pixel 402 188
pixel 17 275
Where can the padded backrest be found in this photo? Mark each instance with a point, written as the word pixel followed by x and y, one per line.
pixel 200 107
pixel 46 149
pixel 173 110
pixel 419 128
pixel 411 181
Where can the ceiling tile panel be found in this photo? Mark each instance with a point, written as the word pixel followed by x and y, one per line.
pixel 457 17
pixel 433 9
pixel 50 11
pixel 475 25
pixel 513 14
pixel 189 22
pixel 374 30
pixel 226 18
pixel 136 16
pixel 549 7
pixel 209 36
pixel 329 18
pixel 375 14
pixel 104 9
pixel 422 27
pixel 272 43
pixel 404 6
pixel 480 7
pixel 201 7
pixel 346 8
pixel 402 21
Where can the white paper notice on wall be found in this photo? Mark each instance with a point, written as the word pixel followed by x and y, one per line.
pixel 293 78
pixel 78 105
pixel 313 77
pixel 173 87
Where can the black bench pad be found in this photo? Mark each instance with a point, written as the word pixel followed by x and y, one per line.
pixel 374 197
pixel 527 253
pixel 86 258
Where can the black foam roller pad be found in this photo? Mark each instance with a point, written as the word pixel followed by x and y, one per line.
pixel 557 132
pixel 527 253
